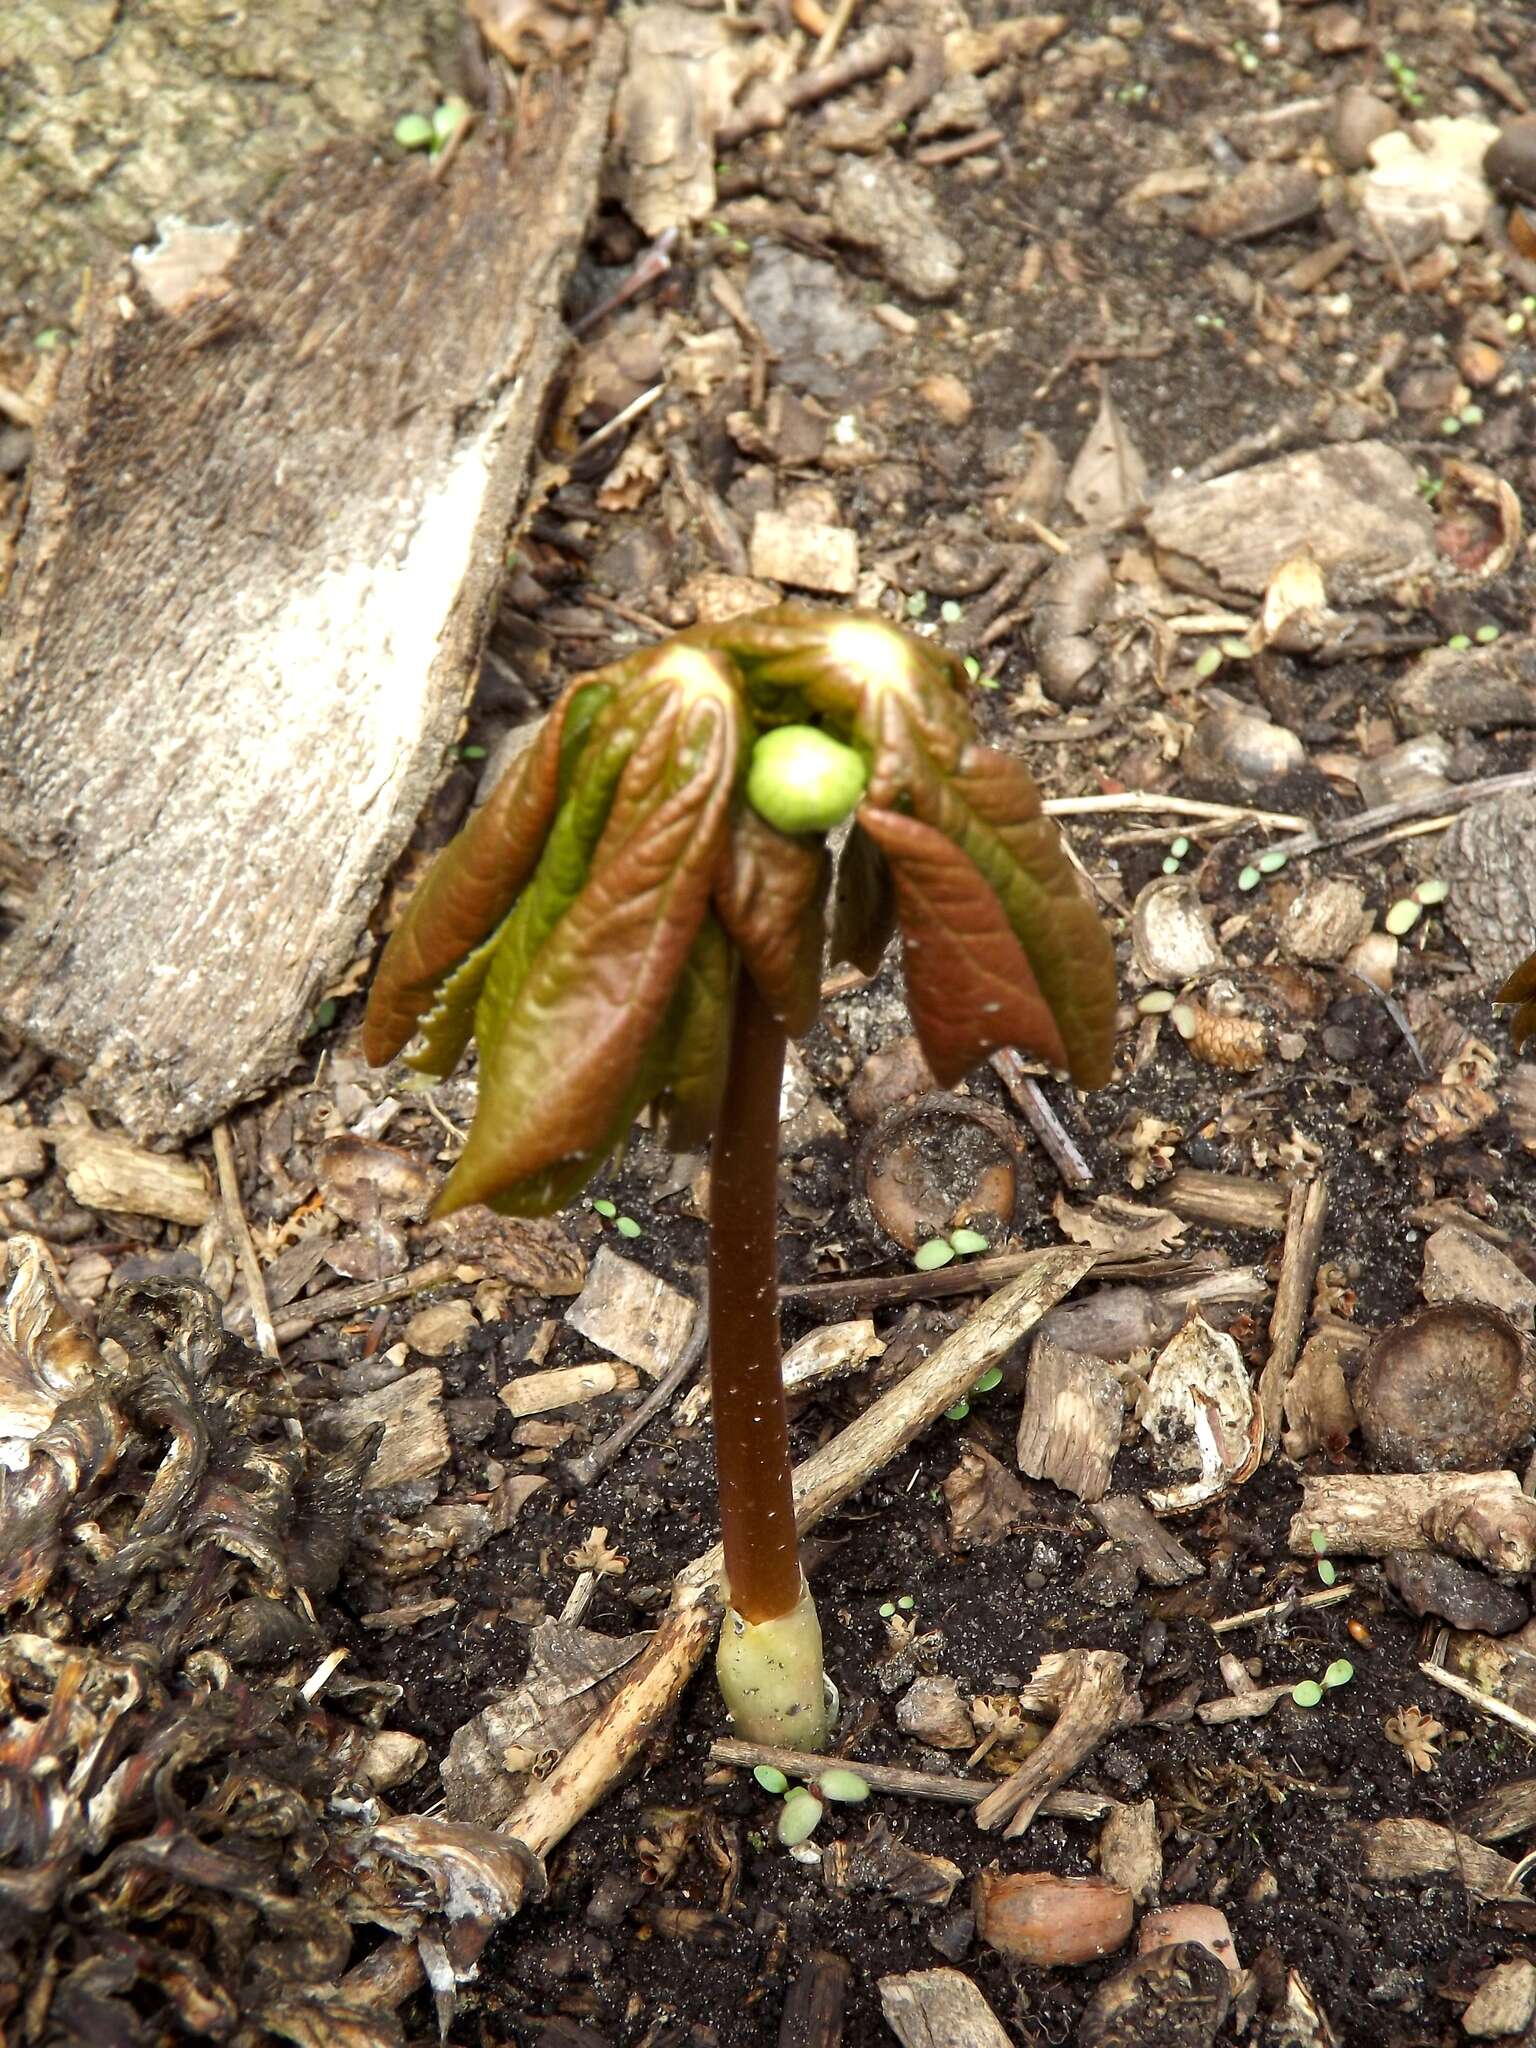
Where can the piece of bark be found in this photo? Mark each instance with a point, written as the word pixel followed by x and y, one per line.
pixel 1319 1414
pixel 813 2011
pixel 1069 1431
pixel 1131 1850
pixel 1231 1201
pixel 1091 1703
pixel 1420 1848
pixel 630 1312
pixel 939 2009
pixel 882 1862
pixel 415 1442
pixel 106 1170
pixel 1160 1557
pixel 1507 1810
pixel 1483 1516
pixel 1244 1706
pixel 567 1386
pixel 1306 1216
pixel 265 538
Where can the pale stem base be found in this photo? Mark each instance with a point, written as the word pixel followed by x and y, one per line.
pixel 771 1676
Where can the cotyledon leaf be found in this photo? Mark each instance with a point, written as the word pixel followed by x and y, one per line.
pixel 1521 988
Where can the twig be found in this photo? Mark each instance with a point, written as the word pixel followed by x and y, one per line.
pixel 1428 803
pixel 1206 1275
pixel 1277 1610
pixel 624 417
pixel 1037 1112
pixel 346 1301
pixel 904 1784
pixel 1194 807
pixel 834 32
pixel 1305 1219
pixel 593 1463
pixel 874 52
pixel 244 1247
pixel 1483 1701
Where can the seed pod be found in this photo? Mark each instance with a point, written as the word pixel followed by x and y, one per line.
pixel 1035 1917
pixel 1236 1043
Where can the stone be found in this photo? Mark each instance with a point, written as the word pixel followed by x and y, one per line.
pixel 1356 507
pixel 810 319
pixel 1336 30
pixel 1428 1583
pixel 1461 1266
pixel 1505 2002
pixel 1325 921
pixel 1359 119
pixel 1510 164
pixel 882 205
pixel 1412 768
pixel 1480 689
pixel 1232 742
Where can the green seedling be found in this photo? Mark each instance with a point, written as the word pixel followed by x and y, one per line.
pixel 637 916
pixel 1326 1570
pixel 800 1815
pixel 888 1608
pixel 1310 1693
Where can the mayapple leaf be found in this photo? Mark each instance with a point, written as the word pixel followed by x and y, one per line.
pixel 970 986
pixel 698 1036
pixel 770 895
pixel 471 886
pixel 560 1065
pixel 1521 988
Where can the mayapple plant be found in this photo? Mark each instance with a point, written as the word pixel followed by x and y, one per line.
pixel 638 915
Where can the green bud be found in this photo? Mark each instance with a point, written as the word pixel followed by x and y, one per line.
pixel 799 1816
pixel 414 131
pixel 802 780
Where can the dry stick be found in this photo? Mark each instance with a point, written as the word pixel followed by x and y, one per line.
pixel 1483 1701
pixel 241 1240
pixel 1091 1704
pixel 594 1462
pixel 346 1301
pixel 1194 807
pixel 1209 1276
pixel 604 1750
pixel 897 1780
pixel 874 52
pixel 1278 1609
pixel 1033 1105
pixel 1429 803
pixel 1305 1219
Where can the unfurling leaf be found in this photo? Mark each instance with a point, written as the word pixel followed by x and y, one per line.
pixel 589 924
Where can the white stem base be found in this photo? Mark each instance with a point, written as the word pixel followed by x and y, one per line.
pixel 771 1677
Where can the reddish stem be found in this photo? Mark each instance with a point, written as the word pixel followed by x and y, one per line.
pixel 757 1514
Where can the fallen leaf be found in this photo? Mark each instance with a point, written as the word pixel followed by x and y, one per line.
pixel 1115 1225
pixel 1416 1735
pixel 985 1500
pixel 1109 479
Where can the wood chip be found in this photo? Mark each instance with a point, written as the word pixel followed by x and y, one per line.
pixel 1231 1201
pixel 939 2009
pixel 1131 1850
pixel 1069 1430
pixel 567 1386
pixel 1483 1516
pixel 625 1310
pixel 1159 1555
pixel 1306 1216
pixel 415 1442
pixel 1092 1700
pixel 1421 1848
pixel 804 554
pixel 107 1170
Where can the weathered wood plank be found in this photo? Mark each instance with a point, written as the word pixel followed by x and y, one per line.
pixel 266 535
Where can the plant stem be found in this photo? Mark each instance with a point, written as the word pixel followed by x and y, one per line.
pixel 757 1513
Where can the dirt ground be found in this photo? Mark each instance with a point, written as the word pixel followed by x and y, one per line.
pixel 931 461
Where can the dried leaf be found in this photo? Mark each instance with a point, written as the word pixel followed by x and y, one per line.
pixel 985 1500
pixel 594 1555
pixel 1108 481
pixel 1115 1225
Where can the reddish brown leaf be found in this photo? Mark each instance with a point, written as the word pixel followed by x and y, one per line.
pixel 558 1080
pixel 1521 988
pixel 770 896
pixel 467 891
pixel 970 986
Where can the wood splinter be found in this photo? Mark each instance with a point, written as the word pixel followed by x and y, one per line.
pixel 1093 1700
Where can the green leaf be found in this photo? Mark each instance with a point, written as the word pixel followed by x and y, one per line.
pixel 968 1241
pixel 698 1033
pixel 992 1377
pixel 1308 1694
pixel 770 1778
pixel 1327 1571
pixel 1319 1542
pixel 604 1207
pixel 1339 1672
pixel 936 1252
pixel 799 1817
pixel 566 1032
pixel 845 1787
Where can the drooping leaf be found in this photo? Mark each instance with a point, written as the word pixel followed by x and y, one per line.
pixel 1521 988
pixel 697 1036
pixel 473 883
pixel 559 1064
pixel 770 896
pixel 970 986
